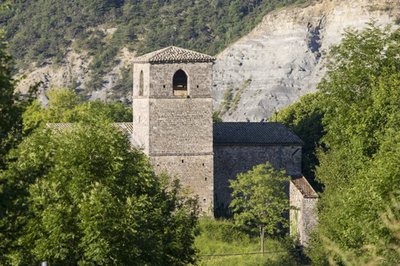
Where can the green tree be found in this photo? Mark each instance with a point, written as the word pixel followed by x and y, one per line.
pixel 260 200
pixel 65 107
pixel 359 164
pixel 304 117
pixel 84 196
pixel 10 110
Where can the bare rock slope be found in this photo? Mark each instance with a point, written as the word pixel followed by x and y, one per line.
pixel 283 57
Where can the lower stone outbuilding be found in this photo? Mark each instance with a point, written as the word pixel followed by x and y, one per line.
pixel 303 212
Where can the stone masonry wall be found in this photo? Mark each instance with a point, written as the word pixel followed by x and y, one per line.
pixel 140 104
pixel 181 126
pixel 137 68
pixel 309 212
pixel 234 159
pixel 195 173
pixel 302 215
pixel 295 213
pixel 199 79
pixel 177 130
pixel 141 123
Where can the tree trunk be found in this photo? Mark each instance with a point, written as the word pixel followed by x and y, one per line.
pixel 262 232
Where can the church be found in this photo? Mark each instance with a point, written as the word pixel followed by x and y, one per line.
pixel 172 124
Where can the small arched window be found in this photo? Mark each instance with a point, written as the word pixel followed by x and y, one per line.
pixel 141 83
pixel 180 83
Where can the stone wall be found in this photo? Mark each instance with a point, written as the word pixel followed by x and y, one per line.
pixel 195 173
pixel 168 124
pixel 137 68
pixel 180 126
pixel 199 79
pixel 230 160
pixel 177 131
pixel 140 104
pixel 302 215
pixel 141 123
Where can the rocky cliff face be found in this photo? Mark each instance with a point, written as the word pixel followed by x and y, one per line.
pixel 279 61
pixel 74 72
pixel 283 57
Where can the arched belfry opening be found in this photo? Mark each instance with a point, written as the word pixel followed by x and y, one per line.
pixel 141 83
pixel 180 82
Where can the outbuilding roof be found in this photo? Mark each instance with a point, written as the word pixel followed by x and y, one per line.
pixel 173 54
pixel 247 133
pixel 301 183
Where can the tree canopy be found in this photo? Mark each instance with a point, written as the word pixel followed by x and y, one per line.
pixel 65 106
pixel 83 196
pixel 305 119
pixel 260 201
pixel 358 163
pixel 11 104
pixel 10 114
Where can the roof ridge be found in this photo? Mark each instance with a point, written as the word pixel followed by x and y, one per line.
pixel 174 54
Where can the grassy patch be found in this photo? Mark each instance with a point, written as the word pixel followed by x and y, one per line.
pixel 221 237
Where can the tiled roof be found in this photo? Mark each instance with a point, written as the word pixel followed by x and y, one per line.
pixel 124 127
pixel 304 187
pixel 173 54
pixel 242 133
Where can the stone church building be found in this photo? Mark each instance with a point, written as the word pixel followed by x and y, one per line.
pixel 172 124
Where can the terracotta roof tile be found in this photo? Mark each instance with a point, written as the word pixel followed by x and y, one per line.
pixel 173 54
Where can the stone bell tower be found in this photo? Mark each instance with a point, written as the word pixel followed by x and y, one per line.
pixel 172 117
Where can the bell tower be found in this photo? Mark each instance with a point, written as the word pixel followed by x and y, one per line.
pixel 172 117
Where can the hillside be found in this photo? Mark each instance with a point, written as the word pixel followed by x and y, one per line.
pixel 283 57
pixel 89 44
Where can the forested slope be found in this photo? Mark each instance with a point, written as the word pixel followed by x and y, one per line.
pixel 43 31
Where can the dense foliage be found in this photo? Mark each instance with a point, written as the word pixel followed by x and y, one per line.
pixel 305 119
pixel 359 163
pixel 83 196
pixel 10 115
pixel 260 201
pixel 361 168
pixel 42 30
pixel 64 106
pixel 12 105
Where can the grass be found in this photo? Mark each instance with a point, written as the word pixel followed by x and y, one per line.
pixel 222 239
